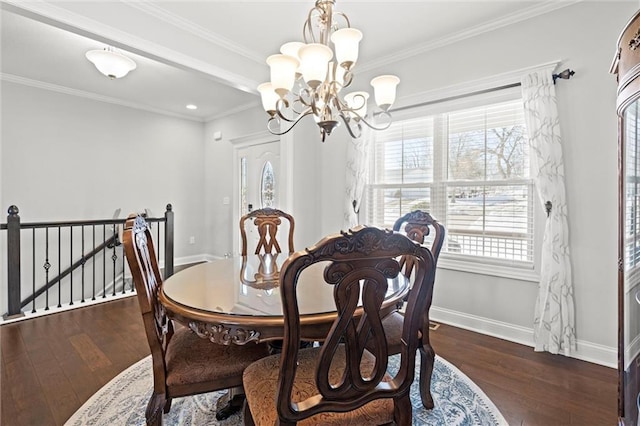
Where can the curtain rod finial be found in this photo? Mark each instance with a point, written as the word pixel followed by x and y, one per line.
pixel 566 75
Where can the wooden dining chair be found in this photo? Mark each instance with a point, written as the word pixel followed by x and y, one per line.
pixel 268 222
pixel 420 226
pixel 183 363
pixel 341 382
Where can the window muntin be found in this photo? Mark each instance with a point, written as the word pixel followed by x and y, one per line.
pixel 470 169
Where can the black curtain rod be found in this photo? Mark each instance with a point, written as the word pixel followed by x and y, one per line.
pixel 453 98
pixel 566 74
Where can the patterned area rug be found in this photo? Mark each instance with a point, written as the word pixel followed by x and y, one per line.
pixel 122 401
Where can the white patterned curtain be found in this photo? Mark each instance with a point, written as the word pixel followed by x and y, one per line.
pixel 357 168
pixel 554 318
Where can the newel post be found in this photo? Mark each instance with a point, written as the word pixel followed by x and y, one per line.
pixel 168 242
pixel 13 263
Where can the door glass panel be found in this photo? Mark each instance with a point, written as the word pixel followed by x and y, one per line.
pixel 267 185
pixel 243 185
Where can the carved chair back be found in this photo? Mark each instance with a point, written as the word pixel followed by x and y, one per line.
pixel 418 225
pixel 141 257
pixel 360 264
pixel 267 221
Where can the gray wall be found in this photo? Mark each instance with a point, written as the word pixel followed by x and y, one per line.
pixel 67 158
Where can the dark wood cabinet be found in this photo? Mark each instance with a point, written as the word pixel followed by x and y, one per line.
pixel 626 66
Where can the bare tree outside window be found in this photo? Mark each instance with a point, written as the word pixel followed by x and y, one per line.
pixel 506 153
pixel 466 156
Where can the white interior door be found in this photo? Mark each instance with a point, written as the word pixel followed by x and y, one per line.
pixel 259 176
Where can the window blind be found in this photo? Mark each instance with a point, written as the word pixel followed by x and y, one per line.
pixel 469 168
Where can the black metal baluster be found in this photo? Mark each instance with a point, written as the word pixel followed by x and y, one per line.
pixel 59 266
pixel 124 283
pixel 104 263
pixel 46 267
pixel 114 258
pixel 93 264
pixel 168 242
pixel 33 267
pixel 70 263
pixel 83 262
pixel 158 240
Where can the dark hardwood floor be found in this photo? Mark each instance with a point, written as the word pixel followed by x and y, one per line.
pixel 52 365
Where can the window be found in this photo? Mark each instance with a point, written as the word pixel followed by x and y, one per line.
pixel 470 169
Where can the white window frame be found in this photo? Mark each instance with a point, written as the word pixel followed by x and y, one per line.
pixel 465 263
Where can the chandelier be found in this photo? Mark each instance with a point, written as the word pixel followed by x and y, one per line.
pixel 307 79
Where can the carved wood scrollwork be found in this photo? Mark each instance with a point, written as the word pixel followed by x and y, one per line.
pixel 634 43
pixel 218 333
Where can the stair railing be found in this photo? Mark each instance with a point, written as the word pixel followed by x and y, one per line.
pixel 103 243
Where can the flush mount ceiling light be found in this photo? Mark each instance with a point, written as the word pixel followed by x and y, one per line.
pixel 306 78
pixel 110 62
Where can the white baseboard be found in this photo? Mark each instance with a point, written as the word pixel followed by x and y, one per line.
pixel 587 351
pixel 54 309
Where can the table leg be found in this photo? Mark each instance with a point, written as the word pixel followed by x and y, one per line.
pixel 230 403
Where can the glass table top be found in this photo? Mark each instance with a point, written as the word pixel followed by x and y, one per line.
pixel 248 285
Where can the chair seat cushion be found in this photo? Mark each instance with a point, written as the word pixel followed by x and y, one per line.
pixel 393 325
pixel 191 359
pixel 261 381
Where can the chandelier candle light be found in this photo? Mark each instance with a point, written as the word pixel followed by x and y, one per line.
pixel 306 79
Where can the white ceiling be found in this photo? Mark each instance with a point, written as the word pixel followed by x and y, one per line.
pixel 211 53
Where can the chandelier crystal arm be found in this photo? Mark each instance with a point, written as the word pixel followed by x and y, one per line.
pixel 384 126
pixel 280 132
pixel 349 124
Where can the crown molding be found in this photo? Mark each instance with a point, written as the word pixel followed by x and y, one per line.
pixel 226 113
pixel 11 78
pixel 415 50
pixel 62 18
pixel 153 9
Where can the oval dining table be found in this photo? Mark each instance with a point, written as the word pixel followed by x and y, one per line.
pixel 236 300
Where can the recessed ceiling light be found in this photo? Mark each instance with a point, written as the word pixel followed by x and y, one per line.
pixel 192 106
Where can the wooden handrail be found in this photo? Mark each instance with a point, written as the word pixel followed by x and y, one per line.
pixel 29 225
